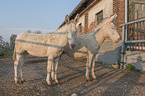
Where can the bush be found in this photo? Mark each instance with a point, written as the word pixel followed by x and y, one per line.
pixel 130 67
pixel 1 54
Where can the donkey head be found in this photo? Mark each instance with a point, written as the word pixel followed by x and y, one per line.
pixel 71 30
pixel 110 29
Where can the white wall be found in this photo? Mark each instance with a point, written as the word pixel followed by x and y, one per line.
pixel 105 5
pixel 81 20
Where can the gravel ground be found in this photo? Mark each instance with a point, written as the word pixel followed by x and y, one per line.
pixel 71 75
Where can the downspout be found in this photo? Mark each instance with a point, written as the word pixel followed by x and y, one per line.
pixel 124 35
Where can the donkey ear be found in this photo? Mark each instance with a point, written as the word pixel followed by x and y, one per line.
pixel 66 19
pixel 112 18
pixel 76 18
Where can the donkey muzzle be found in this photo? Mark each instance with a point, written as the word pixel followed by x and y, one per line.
pixel 116 40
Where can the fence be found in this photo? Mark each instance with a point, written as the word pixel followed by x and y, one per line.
pixel 133 37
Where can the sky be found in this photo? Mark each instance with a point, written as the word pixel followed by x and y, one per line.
pixel 17 16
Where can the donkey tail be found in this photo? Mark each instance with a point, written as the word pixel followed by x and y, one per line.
pixel 14 55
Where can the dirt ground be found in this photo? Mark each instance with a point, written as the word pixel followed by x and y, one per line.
pixel 71 75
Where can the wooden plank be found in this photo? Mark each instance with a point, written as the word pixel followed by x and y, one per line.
pixel 132 34
pixel 141 35
pixel 128 35
pixel 144 28
pixel 135 33
pixel 144 32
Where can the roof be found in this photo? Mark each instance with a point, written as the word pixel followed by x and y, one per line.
pixel 81 8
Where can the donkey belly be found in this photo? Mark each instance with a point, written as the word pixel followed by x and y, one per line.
pixel 80 53
pixel 77 52
pixel 40 50
pixel 36 50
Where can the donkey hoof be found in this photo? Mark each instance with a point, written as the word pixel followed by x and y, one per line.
pixel 16 81
pixel 56 83
pixel 89 80
pixel 22 81
pixel 94 78
pixel 49 83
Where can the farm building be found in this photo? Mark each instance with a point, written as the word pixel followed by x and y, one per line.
pixel 130 25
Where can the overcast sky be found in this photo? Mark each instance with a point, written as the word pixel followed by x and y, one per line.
pixel 17 16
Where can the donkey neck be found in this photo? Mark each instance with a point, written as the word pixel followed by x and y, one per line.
pixel 100 36
pixel 63 40
pixel 60 38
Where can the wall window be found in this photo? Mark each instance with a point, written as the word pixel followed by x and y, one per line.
pixel 99 17
pixel 136 9
pixel 80 28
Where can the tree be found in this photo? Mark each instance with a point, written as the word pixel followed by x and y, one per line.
pixel 1 46
pixel 12 41
pixel 1 37
pixel 29 31
pixel 37 32
pixel 1 42
pixel 6 45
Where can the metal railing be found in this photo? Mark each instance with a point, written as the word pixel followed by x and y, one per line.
pixel 133 37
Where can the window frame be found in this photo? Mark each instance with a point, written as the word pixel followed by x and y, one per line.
pixel 98 18
pixel 80 28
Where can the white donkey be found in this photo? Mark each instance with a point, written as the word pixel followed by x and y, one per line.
pixel 89 44
pixel 43 45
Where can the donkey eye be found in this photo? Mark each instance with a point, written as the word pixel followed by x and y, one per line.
pixel 113 27
pixel 111 33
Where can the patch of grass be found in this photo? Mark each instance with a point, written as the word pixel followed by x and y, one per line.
pixel 6 53
pixel 130 67
pixel 2 54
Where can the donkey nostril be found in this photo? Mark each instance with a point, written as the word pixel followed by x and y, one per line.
pixel 117 40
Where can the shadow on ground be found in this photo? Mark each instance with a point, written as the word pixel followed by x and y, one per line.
pixel 71 75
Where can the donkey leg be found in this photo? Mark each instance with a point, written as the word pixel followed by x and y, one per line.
pixel 93 65
pixel 20 69
pixel 52 71
pixel 49 67
pixel 56 66
pixel 16 68
pixel 89 65
pixel 87 69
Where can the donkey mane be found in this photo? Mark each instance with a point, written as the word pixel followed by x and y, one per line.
pixel 97 27
pixel 61 28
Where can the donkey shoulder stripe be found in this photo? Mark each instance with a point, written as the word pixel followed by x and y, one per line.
pixel 37 43
pixel 82 52
pixel 60 33
pixel 18 53
pixel 50 60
